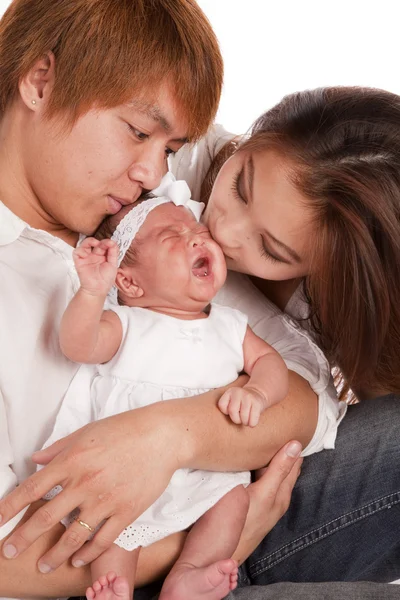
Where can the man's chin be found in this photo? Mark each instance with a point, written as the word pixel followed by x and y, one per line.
pixel 89 228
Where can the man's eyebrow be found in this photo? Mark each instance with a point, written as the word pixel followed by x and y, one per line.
pixel 155 113
pixel 289 250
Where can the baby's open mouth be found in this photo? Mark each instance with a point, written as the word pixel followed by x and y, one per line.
pixel 201 267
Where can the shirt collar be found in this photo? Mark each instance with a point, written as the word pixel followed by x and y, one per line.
pixel 11 226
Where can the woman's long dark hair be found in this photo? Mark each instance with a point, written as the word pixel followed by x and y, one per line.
pixel 342 146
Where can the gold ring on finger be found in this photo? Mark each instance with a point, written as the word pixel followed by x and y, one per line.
pixel 85 525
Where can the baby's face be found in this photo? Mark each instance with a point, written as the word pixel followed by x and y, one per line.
pixel 179 264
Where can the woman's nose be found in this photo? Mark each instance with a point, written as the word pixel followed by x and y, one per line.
pixel 231 232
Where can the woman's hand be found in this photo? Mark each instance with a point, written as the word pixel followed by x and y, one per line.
pixel 270 497
pixel 113 470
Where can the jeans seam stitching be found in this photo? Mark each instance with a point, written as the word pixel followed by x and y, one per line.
pixel 355 520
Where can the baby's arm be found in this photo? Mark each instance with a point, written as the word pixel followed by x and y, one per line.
pixel 268 383
pixel 88 334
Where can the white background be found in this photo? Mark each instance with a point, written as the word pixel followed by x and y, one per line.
pixel 274 47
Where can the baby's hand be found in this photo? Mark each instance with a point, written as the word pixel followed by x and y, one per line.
pixel 96 262
pixel 243 405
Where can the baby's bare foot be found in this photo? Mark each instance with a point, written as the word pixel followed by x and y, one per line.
pixel 109 587
pixel 206 583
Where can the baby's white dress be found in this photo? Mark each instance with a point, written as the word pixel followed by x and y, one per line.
pixel 160 358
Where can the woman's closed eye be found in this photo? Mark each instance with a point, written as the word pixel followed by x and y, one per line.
pixel 265 253
pixel 272 256
pixel 240 193
pixel 238 187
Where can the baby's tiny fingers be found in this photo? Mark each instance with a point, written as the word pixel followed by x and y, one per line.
pixel 112 254
pixel 223 402
pixel 82 252
pixel 79 253
pixel 244 411
pixel 109 243
pixel 234 410
pixel 99 250
pixel 254 415
pixel 89 242
pixel 106 244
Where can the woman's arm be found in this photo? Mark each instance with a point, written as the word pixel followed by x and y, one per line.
pixel 115 468
pixel 270 497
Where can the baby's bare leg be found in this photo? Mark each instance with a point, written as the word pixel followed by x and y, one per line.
pixel 204 569
pixel 113 574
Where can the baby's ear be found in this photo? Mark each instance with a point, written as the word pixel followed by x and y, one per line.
pixel 127 284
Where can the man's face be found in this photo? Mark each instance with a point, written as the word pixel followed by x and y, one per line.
pixel 103 163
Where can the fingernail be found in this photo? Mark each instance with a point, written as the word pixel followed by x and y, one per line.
pixel 77 563
pixel 43 568
pixel 10 551
pixel 294 449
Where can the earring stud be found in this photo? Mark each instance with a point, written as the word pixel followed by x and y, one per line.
pixel 33 101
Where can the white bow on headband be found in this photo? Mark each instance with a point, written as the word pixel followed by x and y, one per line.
pixel 178 192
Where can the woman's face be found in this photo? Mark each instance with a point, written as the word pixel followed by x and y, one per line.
pixel 259 218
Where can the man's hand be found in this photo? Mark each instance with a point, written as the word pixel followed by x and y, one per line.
pixel 112 470
pixel 96 262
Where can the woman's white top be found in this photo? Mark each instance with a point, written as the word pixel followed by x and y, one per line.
pixel 160 358
pixel 38 280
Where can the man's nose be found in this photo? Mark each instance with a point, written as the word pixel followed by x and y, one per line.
pixel 148 169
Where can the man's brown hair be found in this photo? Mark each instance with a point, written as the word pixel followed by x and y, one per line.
pixel 109 51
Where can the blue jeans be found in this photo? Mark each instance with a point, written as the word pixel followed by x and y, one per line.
pixel 343 523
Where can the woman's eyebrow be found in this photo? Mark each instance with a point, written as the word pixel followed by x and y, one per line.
pixel 289 250
pixel 250 175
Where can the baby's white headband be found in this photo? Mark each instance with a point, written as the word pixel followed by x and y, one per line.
pixel 169 190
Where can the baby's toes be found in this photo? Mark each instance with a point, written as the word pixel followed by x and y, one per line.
pixel 90 593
